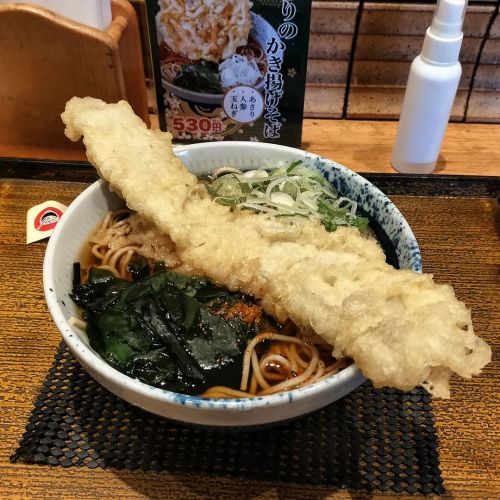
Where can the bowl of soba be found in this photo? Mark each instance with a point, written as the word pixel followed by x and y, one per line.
pixel 220 45
pixel 156 331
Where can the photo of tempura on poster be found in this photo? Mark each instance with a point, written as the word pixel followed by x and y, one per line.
pixel 230 69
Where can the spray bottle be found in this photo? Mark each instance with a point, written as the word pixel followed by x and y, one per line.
pixel 430 92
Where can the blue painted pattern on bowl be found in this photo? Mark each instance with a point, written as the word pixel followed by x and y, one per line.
pixel 90 207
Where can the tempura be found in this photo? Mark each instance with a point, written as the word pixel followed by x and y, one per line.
pixel 198 29
pixel 400 327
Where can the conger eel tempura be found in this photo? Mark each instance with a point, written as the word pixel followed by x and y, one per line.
pixel 400 327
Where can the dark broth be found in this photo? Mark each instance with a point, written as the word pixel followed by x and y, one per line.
pixel 229 373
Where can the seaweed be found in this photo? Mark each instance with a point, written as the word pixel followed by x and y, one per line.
pixel 163 328
pixel 199 77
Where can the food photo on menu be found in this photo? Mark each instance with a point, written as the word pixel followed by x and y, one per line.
pixel 230 70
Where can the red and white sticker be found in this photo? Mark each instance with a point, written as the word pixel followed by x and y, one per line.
pixel 42 220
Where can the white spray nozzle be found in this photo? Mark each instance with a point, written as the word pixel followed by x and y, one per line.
pixel 448 18
pixel 444 36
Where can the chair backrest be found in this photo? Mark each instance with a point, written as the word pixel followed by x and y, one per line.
pixel 46 59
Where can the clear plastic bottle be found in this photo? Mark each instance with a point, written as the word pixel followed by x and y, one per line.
pixel 430 92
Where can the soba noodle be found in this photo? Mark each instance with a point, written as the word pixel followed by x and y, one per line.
pixel 123 235
pixel 253 51
pixel 171 63
pixel 288 363
pixel 284 362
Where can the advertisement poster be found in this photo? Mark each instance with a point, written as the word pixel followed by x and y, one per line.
pixel 230 69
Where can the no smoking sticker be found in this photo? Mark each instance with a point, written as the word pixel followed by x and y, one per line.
pixel 243 104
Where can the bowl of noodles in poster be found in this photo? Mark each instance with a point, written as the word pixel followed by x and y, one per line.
pixel 157 334
pixel 208 48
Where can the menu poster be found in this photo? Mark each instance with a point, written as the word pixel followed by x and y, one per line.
pixel 230 69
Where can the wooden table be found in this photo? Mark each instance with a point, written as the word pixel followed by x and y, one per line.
pixel 468 423
pixel 363 146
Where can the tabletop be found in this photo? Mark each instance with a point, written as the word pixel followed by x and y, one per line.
pixel 464 253
pixel 363 146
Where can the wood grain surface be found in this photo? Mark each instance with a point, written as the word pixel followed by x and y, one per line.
pixel 55 59
pixel 459 242
pixel 68 57
pixel 363 146
pixel 366 146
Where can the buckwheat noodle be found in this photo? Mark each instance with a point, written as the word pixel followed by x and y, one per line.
pixel 274 361
pixel 171 63
pixel 253 51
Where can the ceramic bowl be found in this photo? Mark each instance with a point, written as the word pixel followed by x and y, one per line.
pixel 89 208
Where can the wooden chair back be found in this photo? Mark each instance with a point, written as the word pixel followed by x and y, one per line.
pixel 45 59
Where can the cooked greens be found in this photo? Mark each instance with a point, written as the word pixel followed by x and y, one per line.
pixel 171 331
pixel 199 77
pixel 183 333
pixel 291 192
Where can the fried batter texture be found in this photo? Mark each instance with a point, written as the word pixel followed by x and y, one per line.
pixel 400 327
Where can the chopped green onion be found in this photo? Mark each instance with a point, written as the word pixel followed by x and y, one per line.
pixel 290 192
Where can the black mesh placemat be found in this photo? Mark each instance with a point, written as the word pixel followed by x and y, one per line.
pixel 370 440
